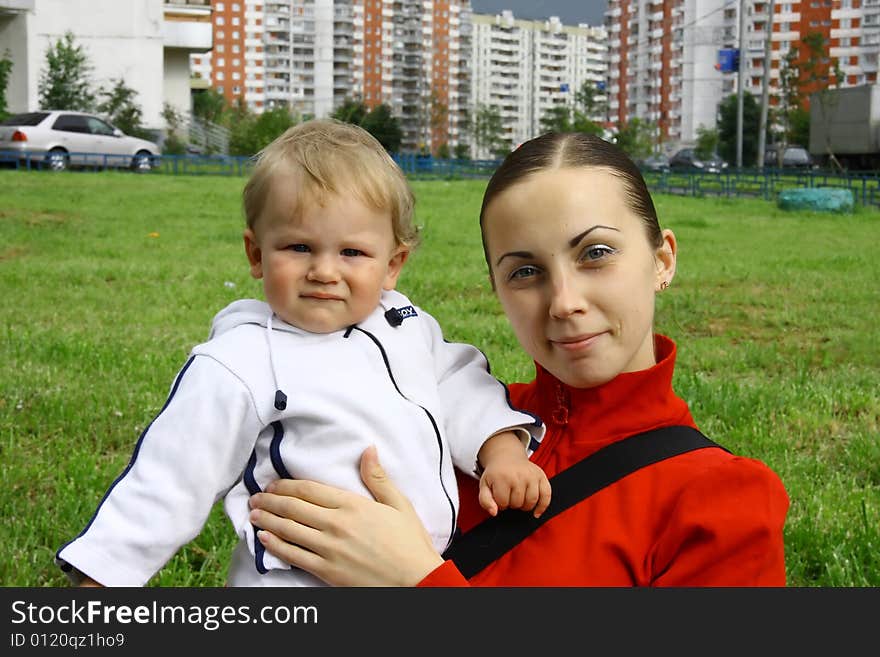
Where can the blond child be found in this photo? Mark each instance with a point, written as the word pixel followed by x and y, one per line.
pixel 298 386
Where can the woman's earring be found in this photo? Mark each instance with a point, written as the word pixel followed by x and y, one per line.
pixel 664 285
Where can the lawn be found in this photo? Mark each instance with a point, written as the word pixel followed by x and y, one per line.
pixel 110 278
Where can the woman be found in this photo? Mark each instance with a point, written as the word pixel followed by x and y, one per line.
pixel 576 256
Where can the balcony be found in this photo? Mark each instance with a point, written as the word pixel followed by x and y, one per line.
pixel 16 6
pixel 186 25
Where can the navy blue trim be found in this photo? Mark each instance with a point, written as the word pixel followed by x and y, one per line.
pixel 250 482
pixel 275 451
pixel 430 417
pixel 534 443
pixel 131 461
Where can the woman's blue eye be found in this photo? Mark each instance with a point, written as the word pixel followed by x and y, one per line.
pixel 351 253
pixel 523 272
pixel 299 248
pixel 597 252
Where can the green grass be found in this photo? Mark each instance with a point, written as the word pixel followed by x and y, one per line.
pixel 109 278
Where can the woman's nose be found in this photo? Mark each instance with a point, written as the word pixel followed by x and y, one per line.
pixel 565 299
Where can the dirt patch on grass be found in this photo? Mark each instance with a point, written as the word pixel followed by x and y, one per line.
pixel 12 253
pixel 36 218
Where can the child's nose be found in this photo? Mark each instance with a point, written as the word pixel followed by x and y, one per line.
pixel 323 269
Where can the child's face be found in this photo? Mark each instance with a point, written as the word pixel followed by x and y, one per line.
pixel 324 269
pixel 576 274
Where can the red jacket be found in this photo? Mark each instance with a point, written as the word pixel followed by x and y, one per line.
pixel 704 518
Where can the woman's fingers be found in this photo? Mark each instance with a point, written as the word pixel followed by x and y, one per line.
pixel 377 482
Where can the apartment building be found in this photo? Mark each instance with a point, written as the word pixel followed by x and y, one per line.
pixel 661 62
pixel 662 53
pixel 523 68
pixel 147 43
pixel 310 55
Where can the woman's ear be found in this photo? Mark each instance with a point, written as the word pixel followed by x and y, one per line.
pixel 395 266
pixel 665 257
pixel 254 253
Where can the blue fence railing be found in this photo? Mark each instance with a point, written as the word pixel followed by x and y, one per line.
pixel 744 183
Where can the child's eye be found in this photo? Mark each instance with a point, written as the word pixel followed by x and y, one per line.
pixel 299 248
pixel 596 252
pixel 351 253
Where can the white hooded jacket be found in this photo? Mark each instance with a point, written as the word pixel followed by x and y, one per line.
pixel 263 400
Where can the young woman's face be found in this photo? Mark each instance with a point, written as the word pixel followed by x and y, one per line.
pixel 575 273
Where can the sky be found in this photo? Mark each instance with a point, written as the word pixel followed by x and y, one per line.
pixel 570 12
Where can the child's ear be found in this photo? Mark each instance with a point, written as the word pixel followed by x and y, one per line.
pixel 254 253
pixel 395 265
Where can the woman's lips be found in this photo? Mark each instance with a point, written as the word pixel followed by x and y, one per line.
pixel 578 342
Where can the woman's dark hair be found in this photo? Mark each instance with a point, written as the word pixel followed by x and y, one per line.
pixel 558 150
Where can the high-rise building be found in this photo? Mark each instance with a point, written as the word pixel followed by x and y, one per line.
pixel 524 68
pixel 312 55
pixel 663 54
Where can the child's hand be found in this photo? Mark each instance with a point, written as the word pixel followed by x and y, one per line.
pixel 514 483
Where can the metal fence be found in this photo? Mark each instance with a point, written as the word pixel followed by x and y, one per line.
pixel 765 184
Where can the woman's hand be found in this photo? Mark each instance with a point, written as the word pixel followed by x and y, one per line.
pixel 344 538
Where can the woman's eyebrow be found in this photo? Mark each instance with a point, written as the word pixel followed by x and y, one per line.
pixel 515 254
pixel 574 241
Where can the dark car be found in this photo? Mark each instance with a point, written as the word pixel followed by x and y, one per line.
pixel 686 160
pixel 793 157
pixel 656 162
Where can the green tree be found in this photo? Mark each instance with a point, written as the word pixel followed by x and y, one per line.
pixel 580 117
pixel 64 83
pixel 5 72
pixel 251 133
pixel 174 143
pixel 727 128
pixel 119 106
pixel 462 151
pixel 556 119
pixel 385 127
pixel 488 131
pixel 821 75
pixel 789 99
pixel 352 110
pixel 588 99
pixel 707 142
pixel 636 138
pixel 210 105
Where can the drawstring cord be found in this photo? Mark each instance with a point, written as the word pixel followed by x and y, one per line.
pixel 280 397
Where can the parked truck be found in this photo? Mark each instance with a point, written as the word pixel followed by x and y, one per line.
pixel 845 126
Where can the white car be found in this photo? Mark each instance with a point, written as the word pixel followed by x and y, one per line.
pixel 59 139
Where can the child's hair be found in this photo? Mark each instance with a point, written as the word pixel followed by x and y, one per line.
pixel 557 150
pixel 328 156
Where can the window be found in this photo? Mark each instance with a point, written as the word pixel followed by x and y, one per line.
pixel 99 127
pixel 71 123
pixel 221 20
pixel 221 61
pixel 235 20
pixel 218 6
pixel 219 47
pixel 219 75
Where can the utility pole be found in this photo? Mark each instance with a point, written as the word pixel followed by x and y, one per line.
pixel 740 83
pixel 765 89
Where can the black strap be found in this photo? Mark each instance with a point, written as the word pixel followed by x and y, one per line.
pixel 493 537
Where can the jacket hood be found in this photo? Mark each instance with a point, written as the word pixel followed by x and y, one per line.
pixel 243 311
